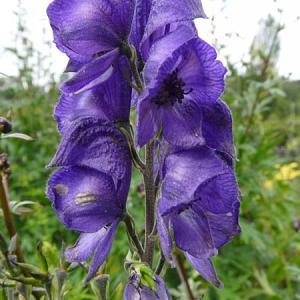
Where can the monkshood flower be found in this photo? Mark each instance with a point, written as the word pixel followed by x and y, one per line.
pixel 199 203
pixel 179 79
pixel 135 290
pixel 91 33
pixel 90 189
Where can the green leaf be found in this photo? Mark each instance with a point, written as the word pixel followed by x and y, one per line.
pixel 16 135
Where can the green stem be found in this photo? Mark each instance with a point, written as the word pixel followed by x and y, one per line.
pixel 183 276
pixel 149 181
pixel 130 53
pixel 132 233
pixel 138 163
pixel 11 228
pixel 150 205
pixel 160 265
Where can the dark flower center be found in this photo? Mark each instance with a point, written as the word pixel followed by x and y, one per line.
pixel 171 91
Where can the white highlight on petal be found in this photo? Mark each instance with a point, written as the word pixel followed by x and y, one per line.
pixel 85 198
pixel 105 76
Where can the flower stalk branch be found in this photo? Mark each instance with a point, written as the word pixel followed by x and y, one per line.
pixel 147 170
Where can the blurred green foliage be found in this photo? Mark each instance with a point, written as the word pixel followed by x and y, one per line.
pixel 264 262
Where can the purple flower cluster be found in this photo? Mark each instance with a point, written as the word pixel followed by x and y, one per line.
pixel 145 55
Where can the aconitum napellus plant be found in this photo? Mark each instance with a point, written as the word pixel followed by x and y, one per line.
pixel 144 91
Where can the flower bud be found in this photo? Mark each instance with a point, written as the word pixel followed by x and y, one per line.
pixel 5 125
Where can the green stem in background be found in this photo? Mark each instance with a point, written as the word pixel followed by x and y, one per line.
pixel 150 205
pixel 132 233
pixel 11 228
pixel 183 276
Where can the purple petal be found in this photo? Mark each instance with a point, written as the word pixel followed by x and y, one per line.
pixel 160 294
pixel 160 62
pixel 200 71
pixel 131 291
pixel 160 33
pixel 186 171
pixel 73 66
pixel 92 74
pixel 135 291
pixel 218 194
pixel 223 227
pixel 147 123
pixel 217 128
pixel 196 63
pixel 182 124
pixel 139 22
pixel 109 101
pixel 192 234
pixel 206 269
pixel 164 236
pixel 165 12
pixel 97 244
pixel 88 27
pixel 97 144
pixel 84 199
pixel 192 62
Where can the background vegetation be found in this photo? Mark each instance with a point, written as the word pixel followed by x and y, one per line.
pixel 264 262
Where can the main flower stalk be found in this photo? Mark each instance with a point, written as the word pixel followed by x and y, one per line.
pixel 149 181
pixel 150 205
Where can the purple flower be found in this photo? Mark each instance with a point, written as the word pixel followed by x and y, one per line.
pixel 91 33
pixel 89 191
pixel 180 79
pixel 136 291
pixel 199 202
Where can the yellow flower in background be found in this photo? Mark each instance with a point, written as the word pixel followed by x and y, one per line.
pixel 286 172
